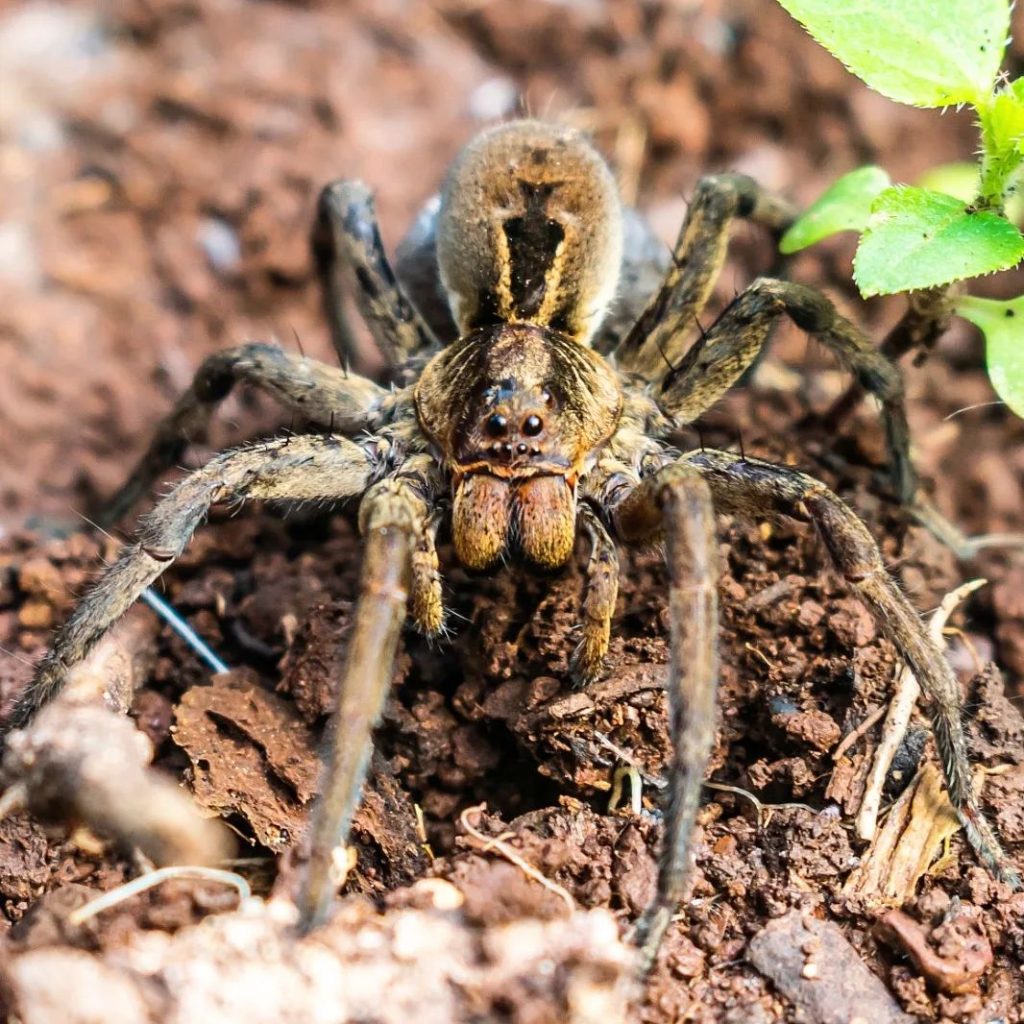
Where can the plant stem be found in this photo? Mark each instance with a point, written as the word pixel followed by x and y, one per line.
pixel 999 164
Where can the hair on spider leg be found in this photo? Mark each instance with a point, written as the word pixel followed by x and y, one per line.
pixel 700 327
pixel 17 657
pixel 668 362
pixel 298 341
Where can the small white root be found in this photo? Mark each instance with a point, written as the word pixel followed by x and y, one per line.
pixel 905 695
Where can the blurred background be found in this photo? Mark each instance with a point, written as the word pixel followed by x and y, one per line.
pixel 159 163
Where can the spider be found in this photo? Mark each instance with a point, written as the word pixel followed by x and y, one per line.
pixel 522 413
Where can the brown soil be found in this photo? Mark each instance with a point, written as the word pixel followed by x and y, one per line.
pixel 156 199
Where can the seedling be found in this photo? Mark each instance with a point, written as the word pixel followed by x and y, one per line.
pixel 953 226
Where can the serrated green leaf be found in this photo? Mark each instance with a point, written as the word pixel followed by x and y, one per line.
pixel 922 52
pixel 959 179
pixel 1002 323
pixel 918 239
pixel 843 207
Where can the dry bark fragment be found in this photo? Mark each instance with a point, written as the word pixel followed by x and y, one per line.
pixel 251 755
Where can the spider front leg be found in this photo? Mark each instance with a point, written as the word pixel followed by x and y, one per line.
pixel 392 518
pixel 656 340
pixel 601 590
pixel 426 598
pixel 346 238
pixel 733 342
pixel 676 503
pixel 311 468
pixel 318 392
pixel 759 489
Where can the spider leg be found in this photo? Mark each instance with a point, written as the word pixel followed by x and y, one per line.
pixel 425 595
pixel 346 236
pixel 392 517
pixel 676 502
pixel 732 343
pixel 318 392
pixel 759 489
pixel 656 340
pixel 601 592
pixel 309 468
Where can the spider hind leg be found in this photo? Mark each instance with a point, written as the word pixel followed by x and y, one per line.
pixel 733 342
pixel 759 489
pixel 346 239
pixel 656 339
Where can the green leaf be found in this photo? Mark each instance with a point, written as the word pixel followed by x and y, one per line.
pixel 1002 323
pixel 928 53
pixel 918 239
pixel 844 207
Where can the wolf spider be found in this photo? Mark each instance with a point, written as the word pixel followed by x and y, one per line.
pixel 521 418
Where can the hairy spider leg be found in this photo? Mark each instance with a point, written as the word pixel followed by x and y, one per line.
pixel 426 599
pixel 757 489
pixel 393 515
pixel 732 343
pixel 600 592
pixel 657 339
pixel 754 488
pixel 676 502
pixel 318 392
pixel 346 240
pixel 307 468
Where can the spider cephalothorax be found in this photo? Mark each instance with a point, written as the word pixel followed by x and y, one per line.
pixel 535 403
pixel 518 411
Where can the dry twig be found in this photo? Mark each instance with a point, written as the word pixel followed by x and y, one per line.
pixel 897 719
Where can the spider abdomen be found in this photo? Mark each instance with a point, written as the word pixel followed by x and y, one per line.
pixel 530 231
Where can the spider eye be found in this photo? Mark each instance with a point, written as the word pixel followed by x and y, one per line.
pixel 532 426
pixel 497 425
